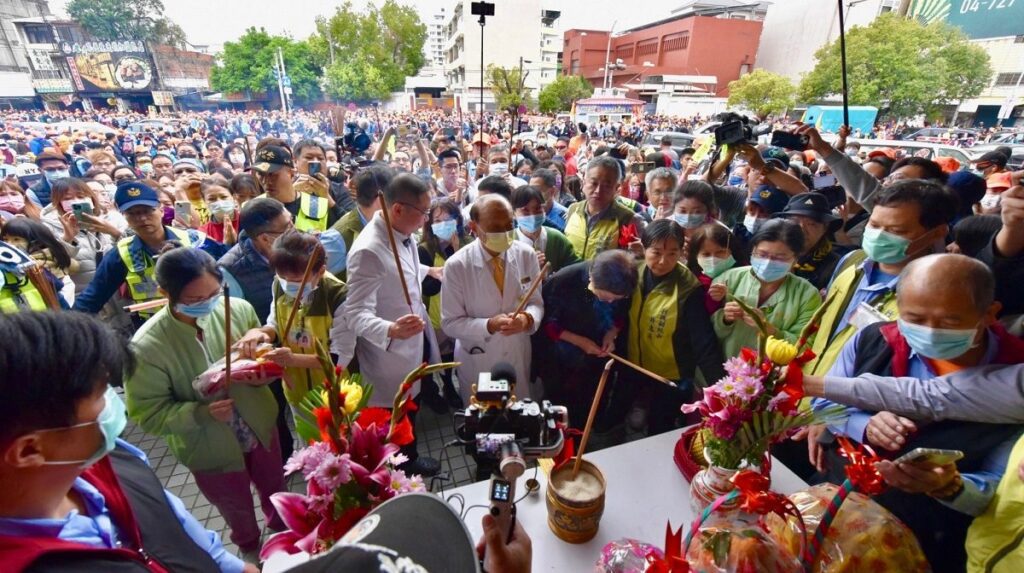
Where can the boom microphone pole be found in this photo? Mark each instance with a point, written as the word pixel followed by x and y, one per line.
pixel 842 58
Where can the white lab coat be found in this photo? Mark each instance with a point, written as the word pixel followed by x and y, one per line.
pixel 375 300
pixel 469 297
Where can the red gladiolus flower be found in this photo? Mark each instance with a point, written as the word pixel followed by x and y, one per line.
pixel 627 234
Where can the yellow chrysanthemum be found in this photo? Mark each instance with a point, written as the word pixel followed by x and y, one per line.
pixel 780 351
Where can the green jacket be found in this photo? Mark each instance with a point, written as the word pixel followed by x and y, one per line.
pixel 349 226
pixel 789 309
pixel 162 401
pixel 558 251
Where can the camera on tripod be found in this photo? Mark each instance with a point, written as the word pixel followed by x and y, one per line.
pixel 355 140
pixel 495 417
pixel 737 129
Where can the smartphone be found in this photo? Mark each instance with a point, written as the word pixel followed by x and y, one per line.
pixel 183 212
pixel 403 130
pixel 641 167
pixel 931 456
pixel 789 140
pixel 314 168
pixel 79 208
pixel 823 181
pixel 449 131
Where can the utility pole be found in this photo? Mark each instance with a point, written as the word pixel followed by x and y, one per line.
pixel 608 55
pixel 281 75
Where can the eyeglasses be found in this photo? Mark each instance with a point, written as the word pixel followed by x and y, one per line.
pixel 424 214
pixel 772 256
pixel 450 166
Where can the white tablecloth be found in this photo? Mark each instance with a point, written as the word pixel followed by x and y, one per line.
pixel 645 490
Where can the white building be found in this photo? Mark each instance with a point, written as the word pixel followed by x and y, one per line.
pixel 15 71
pixel 1004 99
pixel 434 48
pixel 795 29
pixel 525 32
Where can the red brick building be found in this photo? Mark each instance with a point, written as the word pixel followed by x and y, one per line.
pixel 720 49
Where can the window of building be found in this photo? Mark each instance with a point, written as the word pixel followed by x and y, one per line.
pixel 1019 39
pixel 1009 79
pixel 744 69
pixel 574 67
pixel 624 51
pixel 647 47
pixel 679 41
pixel 38 34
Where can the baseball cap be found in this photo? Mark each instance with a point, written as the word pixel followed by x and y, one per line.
pixel 271 159
pixel 776 156
pixel 993 157
pixel 883 152
pixel 419 530
pixel 132 193
pixel 50 156
pixel 814 206
pixel 481 138
pixel 948 164
pixel 773 200
pixel 999 181
pixel 189 161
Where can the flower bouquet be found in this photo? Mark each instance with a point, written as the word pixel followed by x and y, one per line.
pixel 753 406
pixel 350 464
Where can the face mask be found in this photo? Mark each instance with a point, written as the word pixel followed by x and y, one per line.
pixel 69 204
pixel 444 230
pixel 714 266
pixel 499 242
pixel 52 176
pixel 146 168
pixel 110 188
pixel 753 223
pixel 558 183
pixel 12 203
pixel 225 207
pixel 768 270
pixel 291 289
pixel 883 247
pixel 111 421
pixel 634 192
pixel 990 201
pixel 689 221
pixel 198 309
pixel 937 343
pixel 237 159
pixel 735 180
pixel 499 169
pixel 530 223
pixel 168 217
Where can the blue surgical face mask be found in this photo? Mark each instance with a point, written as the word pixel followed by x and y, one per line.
pixel 714 266
pixel 753 223
pixel 884 247
pixel 111 421
pixel 52 176
pixel 689 221
pixel 769 270
pixel 444 230
pixel 291 289
pixel 937 343
pixel 530 223
pixel 198 309
pixel 498 169
pixel 735 180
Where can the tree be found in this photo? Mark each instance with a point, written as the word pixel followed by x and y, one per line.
pixel 248 65
pixel 763 92
pixel 901 65
pixel 507 87
pixel 369 53
pixel 126 20
pixel 559 94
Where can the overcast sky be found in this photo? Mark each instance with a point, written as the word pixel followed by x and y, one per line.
pixel 212 22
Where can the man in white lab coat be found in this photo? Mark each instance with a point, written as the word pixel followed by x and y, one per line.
pixel 392 340
pixel 483 284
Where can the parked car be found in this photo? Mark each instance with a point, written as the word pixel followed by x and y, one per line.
pixel 924 149
pixel 945 135
pixel 1016 161
pixel 1008 138
pixel 680 141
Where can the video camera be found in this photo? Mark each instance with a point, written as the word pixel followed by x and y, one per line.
pixel 737 129
pixel 355 140
pixel 495 417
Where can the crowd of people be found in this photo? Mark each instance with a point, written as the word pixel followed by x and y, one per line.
pixel 647 251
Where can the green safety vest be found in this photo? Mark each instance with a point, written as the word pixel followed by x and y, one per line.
pixel 828 343
pixel 602 235
pixel 653 320
pixel 312 322
pixel 313 212
pixel 141 277
pixel 995 540
pixel 434 302
pixel 18 294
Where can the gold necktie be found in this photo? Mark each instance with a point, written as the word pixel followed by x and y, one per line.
pixel 498 266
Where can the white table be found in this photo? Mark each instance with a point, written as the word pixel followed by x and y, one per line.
pixel 645 490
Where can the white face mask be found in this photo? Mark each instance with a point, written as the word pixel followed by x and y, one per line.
pixel 499 169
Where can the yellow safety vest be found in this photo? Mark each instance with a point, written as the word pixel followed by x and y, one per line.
pixel 995 540
pixel 602 235
pixel 653 320
pixel 18 294
pixel 313 212
pixel 313 321
pixel 827 343
pixel 434 302
pixel 141 277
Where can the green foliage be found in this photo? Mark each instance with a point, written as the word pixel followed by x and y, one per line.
pixel 763 92
pixel 369 53
pixel 559 94
pixel 248 63
pixel 126 20
pixel 507 87
pixel 903 65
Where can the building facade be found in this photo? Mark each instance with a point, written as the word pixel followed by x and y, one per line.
pixel 16 88
pixel 523 33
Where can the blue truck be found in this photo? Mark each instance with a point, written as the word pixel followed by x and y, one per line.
pixel 828 118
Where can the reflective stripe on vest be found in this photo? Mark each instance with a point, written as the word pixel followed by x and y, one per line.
pixel 652 324
pixel 312 322
pixel 434 302
pixel 141 276
pixel 312 213
pixel 17 296
pixel 602 236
